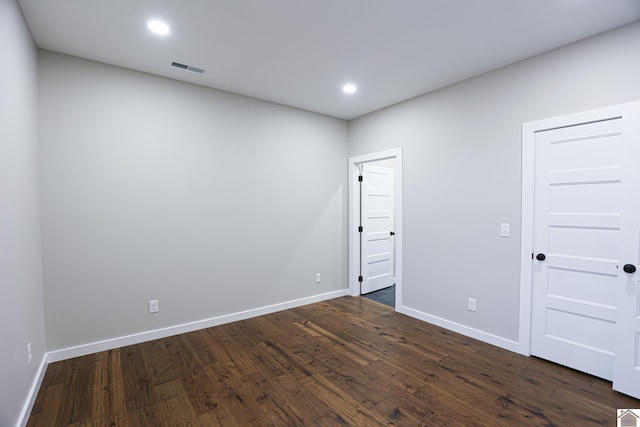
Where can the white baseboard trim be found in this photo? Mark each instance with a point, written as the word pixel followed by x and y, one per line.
pixel 462 329
pixel 33 392
pixel 84 349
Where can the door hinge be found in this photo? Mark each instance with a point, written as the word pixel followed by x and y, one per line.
pixel 360 229
pixel 360 178
pixel 360 279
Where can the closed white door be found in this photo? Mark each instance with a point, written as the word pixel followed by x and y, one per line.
pixel 376 236
pixel 586 231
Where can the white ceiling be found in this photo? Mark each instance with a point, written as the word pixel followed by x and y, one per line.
pixel 301 52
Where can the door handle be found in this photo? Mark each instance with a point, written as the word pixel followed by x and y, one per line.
pixel 541 257
pixel 629 268
pixel 392 233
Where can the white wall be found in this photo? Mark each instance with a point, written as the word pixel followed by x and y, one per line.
pixel 21 299
pixel 461 149
pixel 212 203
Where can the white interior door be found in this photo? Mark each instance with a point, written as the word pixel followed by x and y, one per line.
pixel 586 230
pixel 578 206
pixel 376 236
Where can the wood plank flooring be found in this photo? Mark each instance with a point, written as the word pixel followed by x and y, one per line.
pixel 348 361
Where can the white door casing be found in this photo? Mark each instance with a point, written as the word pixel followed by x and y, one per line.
pixel 578 306
pixel 376 239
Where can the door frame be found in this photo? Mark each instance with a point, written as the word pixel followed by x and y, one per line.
pixel 354 217
pixel 529 131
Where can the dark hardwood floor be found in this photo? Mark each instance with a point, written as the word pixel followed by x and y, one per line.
pixel 347 361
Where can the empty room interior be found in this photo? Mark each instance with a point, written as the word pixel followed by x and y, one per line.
pixel 195 195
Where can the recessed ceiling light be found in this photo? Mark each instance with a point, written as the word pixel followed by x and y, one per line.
pixel 349 88
pixel 158 27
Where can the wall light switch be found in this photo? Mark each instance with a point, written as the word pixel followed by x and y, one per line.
pixel 505 230
pixel 317 277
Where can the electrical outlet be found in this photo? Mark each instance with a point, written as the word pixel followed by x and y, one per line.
pixel 505 230
pixel 472 304
pixel 153 306
pixel 317 277
pixel 29 356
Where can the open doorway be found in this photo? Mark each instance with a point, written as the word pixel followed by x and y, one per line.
pixel 375 237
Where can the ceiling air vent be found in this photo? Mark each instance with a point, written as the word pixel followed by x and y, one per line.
pixel 188 67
